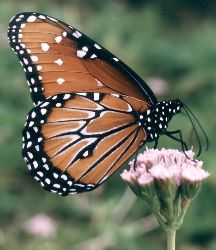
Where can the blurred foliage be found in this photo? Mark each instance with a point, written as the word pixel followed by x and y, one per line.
pixel 170 40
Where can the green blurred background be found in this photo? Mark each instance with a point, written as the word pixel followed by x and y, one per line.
pixel 172 45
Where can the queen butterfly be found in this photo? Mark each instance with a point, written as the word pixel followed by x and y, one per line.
pixel 92 112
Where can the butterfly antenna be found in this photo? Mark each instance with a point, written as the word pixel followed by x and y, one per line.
pixel 188 112
pixel 199 124
pixel 196 134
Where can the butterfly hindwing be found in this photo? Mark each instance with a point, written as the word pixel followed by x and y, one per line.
pixel 74 142
pixel 58 58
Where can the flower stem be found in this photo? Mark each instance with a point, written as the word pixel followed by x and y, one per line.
pixel 171 235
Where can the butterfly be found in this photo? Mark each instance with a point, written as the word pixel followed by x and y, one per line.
pixel 92 112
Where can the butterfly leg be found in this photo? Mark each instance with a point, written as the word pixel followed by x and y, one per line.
pixel 156 144
pixel 180 139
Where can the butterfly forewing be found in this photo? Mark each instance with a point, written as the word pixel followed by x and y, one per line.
pixel 74 142
pixel 58 58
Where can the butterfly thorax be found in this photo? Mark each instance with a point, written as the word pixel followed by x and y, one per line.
pixel 155 120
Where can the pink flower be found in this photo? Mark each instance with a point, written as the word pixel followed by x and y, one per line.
pixel 145 179
pixel 40 225
pixel 168 180
pixel 165 164
pixel 192 174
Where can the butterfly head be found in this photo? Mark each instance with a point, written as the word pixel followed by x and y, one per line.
pixel 155 120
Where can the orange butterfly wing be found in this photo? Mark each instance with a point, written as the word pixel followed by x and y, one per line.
pixel 58 58
pixel 73 142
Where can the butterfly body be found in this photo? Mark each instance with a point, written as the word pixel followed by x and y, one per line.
pixel 156 119
pixel 92 112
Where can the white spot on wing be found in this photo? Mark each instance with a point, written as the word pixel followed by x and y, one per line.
pixel 40 139
pixel 96 96
pixel 39 67
pixel 86 153
pixel 82 93
pixel 33 114
pixel 85 48
pixel 30 155
pixel 97 46
pixel 59 61
pixel 81 53
pixel 42 17
pixel 29 144
pixel 47 181
pixel 93 56
pixel 56 185
pixel 34 58
pixel 45 46
pixel 35 164
pixel 44 104
pixel 31 19
pixel 60 80
pixel 43 111
pixel 30 69
pixel 99 83
pixel 64 33
pixel 58 39
pixel 27 135
pixel 64 177
pixel 40 174
pixel 66 96
pixel 55 175
pixel 31 123
pixel 46 166
pixel 35 129
pixel 25 61
pixel 77 34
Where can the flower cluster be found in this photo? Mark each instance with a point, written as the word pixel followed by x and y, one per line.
pixel 167 180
